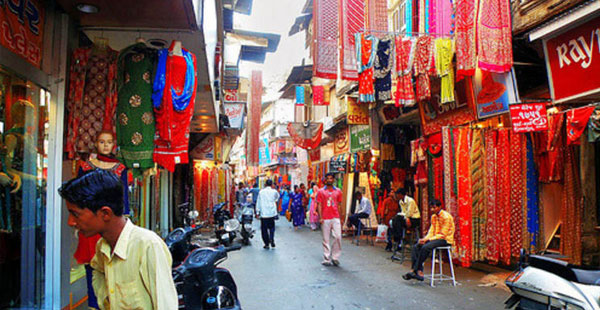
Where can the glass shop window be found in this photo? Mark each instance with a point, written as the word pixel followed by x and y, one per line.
pixel 23 174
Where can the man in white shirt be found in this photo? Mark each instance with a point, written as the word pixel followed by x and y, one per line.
pixel 363 210
pixel 266 209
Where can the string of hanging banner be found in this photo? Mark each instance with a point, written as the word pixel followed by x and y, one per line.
pixel 407 33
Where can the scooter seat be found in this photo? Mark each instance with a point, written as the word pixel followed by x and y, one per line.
pixel 584 276
pixel 565 270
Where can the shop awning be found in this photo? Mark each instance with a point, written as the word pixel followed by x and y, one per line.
pixel 568 19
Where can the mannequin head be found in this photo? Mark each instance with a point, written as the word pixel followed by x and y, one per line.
pixel 105 142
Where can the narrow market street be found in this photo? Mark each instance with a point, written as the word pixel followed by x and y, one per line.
pixel 291 277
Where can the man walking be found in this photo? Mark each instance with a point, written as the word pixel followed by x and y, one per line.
pixel 441 233
pixel 329 200
pixel 132 265
pixel 266 209
pixel 363 210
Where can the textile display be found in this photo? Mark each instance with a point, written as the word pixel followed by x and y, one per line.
pixel 366 49
pixel 436 170
pixel 221 184
pixel 492 231
pixel 419 159
pixel 444 52
pixel 92 99
pixel 478 189
pixel 173 97
pixel 325 21
pixel 307 136
pixel 319 95
pixel 405 55
pixel 494 36
pixel 571 211
pixel 551 149
pixel 464 220
pixel 441 17
pixel 376 15
pixel 577 122
pixel 384 61
pixel 253 119
pixel 594 126
pixel 503 196
pixel 352 20
pixel 449 172
pixel 465 38
pixel 532 197
pixel 135 115
pixel 299 95
pixel 517 187
pixel 214 189
pixel 423 60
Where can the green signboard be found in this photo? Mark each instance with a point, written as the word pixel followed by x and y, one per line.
pixel 360 138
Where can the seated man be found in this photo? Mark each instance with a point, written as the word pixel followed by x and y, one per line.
pixel 409 216
pixel 363 210
pixel 441 233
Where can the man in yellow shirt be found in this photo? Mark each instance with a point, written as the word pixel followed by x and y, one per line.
pixel 132 265
pixel 441 233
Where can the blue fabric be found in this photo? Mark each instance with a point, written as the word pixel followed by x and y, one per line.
pixel 299 95
pixel 92 300
pixel 297 209
pixel 285 201
pixel 181 101
pixel 533 224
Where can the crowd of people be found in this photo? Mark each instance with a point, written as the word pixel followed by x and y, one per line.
pixel 319 207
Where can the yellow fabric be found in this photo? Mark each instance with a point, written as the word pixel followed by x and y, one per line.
pixel 442 227
pixel 444 51
pixel 409 208
pixel 137 275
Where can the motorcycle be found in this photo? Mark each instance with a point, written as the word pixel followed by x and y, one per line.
pixel 225 226
pixel 200 284
pixel 179 240
pixel 542 282
pixel 245 217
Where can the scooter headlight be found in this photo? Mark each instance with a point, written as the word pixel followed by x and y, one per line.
pixel 248 227
pixel 231 225
pixel 219 297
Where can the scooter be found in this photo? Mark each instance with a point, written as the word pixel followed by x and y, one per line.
pixel 542 282
pixel 225 226
pixel 179 240
pixel 246 216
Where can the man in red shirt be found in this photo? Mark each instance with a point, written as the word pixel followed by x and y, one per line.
pixel 329 200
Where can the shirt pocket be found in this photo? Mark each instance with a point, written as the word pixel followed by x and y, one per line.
pixel 128 296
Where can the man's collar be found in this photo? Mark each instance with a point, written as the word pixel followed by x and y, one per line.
pixel 122 242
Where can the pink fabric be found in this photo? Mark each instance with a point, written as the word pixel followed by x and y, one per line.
pixel 352 20
pixel 332 229
pixel 314 216
pixel 326 30
pixel 466 47
pixel 440 17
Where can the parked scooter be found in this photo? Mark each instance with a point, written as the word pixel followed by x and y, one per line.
pixel 245 217
pixel 542 282
pixel 225 226
pixel 179 240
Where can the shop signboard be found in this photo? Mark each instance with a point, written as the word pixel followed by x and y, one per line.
pixel 573 62
pixel 529 117
pixel 494 92
pixel 358 113
pixel 22 28
pixel 338 164
pixel 205 150
pixel 230 95
pixel 264 154
pixel 235 113
pixel 341 142
pixel 360 138
pixel 288 160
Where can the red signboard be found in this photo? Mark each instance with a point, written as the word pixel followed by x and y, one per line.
pixel 574 61
pixel 230 95
pixel 254 118
pixel 529 117
pixel 22 28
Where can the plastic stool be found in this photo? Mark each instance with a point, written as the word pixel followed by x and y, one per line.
pixel 359 231
pixel 441 276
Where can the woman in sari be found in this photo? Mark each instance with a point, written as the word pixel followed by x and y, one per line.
pixel 312 205
pixel 297 208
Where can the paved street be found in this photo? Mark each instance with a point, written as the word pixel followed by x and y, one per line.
pixel 291 277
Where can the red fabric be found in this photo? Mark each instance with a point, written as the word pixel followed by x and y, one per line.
pixel 405 94
pixel 495 36
pixel 319 95
pixel 503 195
pixel 377 16
pixel 577 121
pixel 464 219
pixel 492 231
pixel 325 19
pixel 306 137
pixel 466 48
pixel 491 90
pixel 366 88
pixel 551 149
pixel 329 199
pixel 423 61
pixel 571 212
pixel 352 20
pixel 205 209
pixel 86 248
pixel 173 127
pixel 517 185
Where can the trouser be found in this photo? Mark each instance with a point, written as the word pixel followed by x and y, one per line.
pixel 354 219
pixel 421 252
pixel 92 301
pixel 267 229
pixel 398 228
pixel 332 229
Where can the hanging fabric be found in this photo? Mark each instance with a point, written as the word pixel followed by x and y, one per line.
pixel 444 52
pixel 466 48
pixel 405 55
pixel 205 209
pixel 318 95
pixel 492 232
pixel 494 36
pixel 478 188
pixel 423 60
pixel 383 70
pixel 503 195
pixel 533 223
pixel 577 121
pixel 571 212
pixel 326 31
pixel 299 95
pixel 306 136
pixel 449 172
pixel 551 145
pixel 366 47
pixel 517 186
pixel 464 191
pixel 352 21
pixel 594 126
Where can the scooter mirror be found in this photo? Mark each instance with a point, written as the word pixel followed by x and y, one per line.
pixel 193 214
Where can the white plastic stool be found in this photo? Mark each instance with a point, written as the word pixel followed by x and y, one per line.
pixel 441 276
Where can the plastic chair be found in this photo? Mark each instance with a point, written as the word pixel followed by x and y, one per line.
pixel 441 276
pixel 360 229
